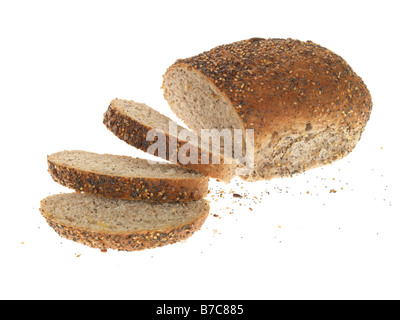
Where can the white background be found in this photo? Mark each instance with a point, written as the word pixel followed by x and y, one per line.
pixel 62 62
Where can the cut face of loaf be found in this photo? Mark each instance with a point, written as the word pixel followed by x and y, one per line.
pixel 124 225
pixel 304 103
pixel 150 131
pixel 198 101
pixel 124 177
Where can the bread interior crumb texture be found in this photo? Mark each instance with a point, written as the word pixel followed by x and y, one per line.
pixel 122 166
pixel 98 214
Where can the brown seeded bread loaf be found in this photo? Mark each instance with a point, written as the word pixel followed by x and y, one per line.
pixel 124 177
pixel 124 225
pixel 132 122
pixel 305 103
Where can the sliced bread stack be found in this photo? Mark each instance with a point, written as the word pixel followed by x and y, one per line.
pixel 130 203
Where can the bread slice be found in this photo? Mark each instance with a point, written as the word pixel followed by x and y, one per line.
pixel 123 225
pixel 124 177
pixel 136 123
pixel 306 105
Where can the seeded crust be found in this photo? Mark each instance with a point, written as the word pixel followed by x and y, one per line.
pixel 291 93
pixel 124 241
pixel 134 133
pixel 132 188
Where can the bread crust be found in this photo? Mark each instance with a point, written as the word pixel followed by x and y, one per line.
pixel 125 241
pixel 283 87
pixel 134 133
pixel 139 188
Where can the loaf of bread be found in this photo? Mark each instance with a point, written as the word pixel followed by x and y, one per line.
pixel 123 225
pixel 303 104
pixel 306 105
pixel 124 177
pixel 137 124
